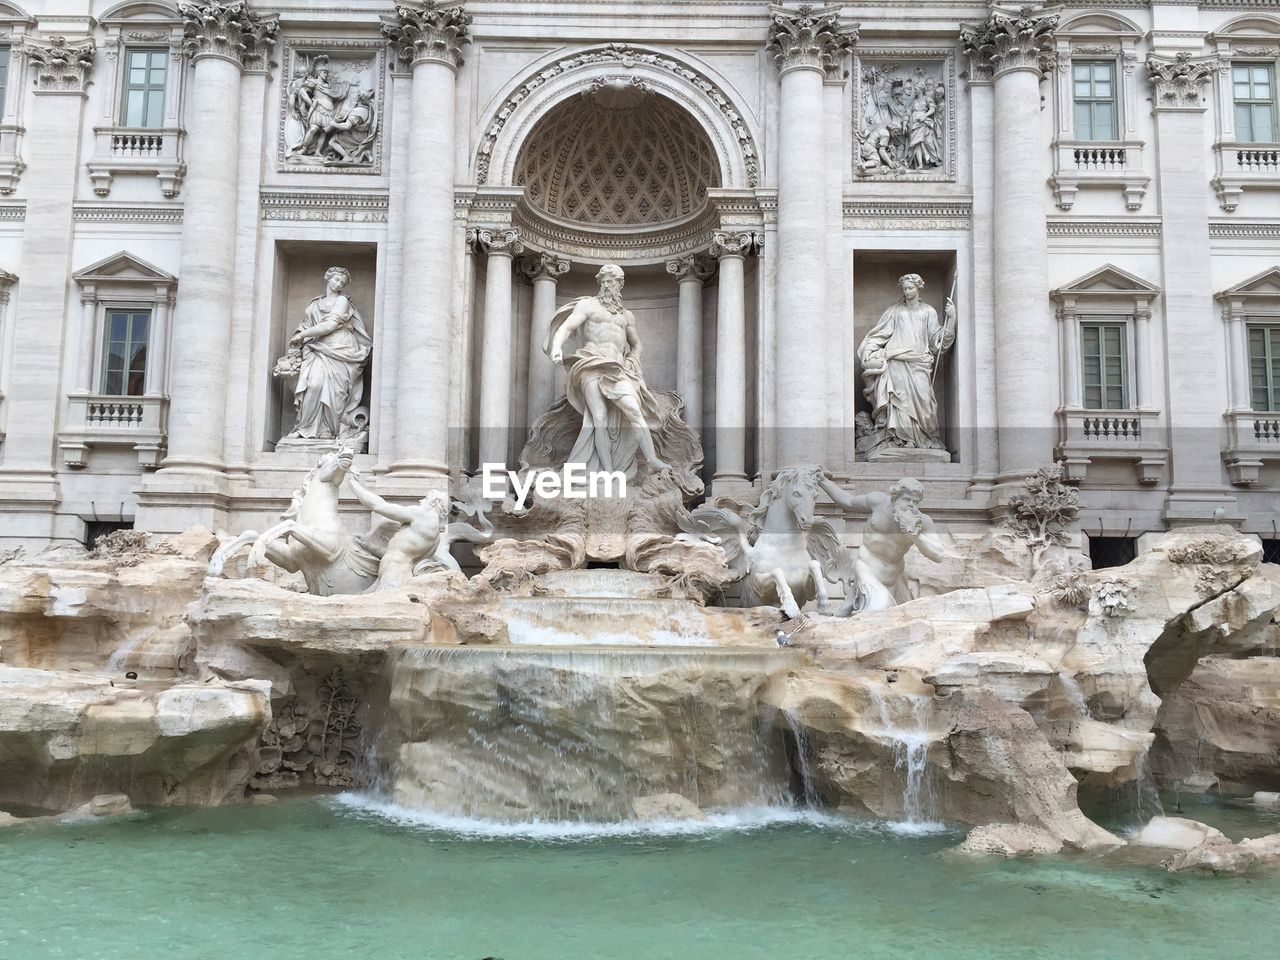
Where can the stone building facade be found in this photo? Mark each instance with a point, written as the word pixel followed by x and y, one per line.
pixel 1096 187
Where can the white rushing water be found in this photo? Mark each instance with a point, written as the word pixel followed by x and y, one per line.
pixel 910 755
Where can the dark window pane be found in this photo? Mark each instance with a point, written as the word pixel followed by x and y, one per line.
pixel 1111 551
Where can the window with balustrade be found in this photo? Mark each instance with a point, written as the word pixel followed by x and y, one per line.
pixel 1104 357
pixel 1264 366
pixel 143 100
pixel 1253 88
pixel 1093 84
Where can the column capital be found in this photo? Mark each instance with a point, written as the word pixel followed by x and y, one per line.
pixel 691 267
pixel 62 65
pixel 1179 81
pixel 502 243
pixel 430 32
pixel 230 30
pixel 7 280
pixel 1008 42
pixel 808 37
pixel 736 244
pixel 544 266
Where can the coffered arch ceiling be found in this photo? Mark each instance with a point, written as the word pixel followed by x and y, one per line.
pixel 617 155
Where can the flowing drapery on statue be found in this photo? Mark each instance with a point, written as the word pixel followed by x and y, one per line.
pixel 604 381
pixel 334 347
pixel 898 358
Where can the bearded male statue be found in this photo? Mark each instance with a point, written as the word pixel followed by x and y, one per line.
pixel 893 528
pixel 604 382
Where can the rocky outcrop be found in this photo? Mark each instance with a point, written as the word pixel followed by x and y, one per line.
pixel 1223 856
pixel 1175 833
pixel 66 737
pixel 1008 840
pixel 1220 729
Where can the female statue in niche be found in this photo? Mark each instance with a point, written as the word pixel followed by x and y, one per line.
pixel 329 351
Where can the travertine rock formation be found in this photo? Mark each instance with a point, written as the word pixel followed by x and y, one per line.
pixel 66 737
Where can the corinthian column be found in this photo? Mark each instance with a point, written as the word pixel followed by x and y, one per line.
pixel 544 270
pixel 428 38
pixel 1197 398
pixel 219 38
pixel 731 249
pixel 501 247
pixel 1016 49
pixel 690 273
pixel 42 316
pixel 804 43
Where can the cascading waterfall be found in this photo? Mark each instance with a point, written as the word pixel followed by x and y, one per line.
pixel 581 732
pixel 910 752
pixel 1146 803
pixel 802 765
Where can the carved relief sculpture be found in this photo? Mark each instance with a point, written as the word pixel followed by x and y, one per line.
pixel 902 120
pixel 899 359
pixel 331 111
pixel 328 353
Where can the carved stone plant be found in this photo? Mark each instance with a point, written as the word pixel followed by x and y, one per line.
pixel 321 743
pixel 1046 506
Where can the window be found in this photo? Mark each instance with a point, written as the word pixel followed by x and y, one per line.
pixel 1264 367
pixel 124 361
pixel 144 76
pixel 1254 91
pixel 1094 86
pixel 1270 550
pixel 1111 551
pixel 1105 354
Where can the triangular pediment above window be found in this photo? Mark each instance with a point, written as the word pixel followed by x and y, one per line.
pixel 124 268
pixel 1264 284
pixel 1108 281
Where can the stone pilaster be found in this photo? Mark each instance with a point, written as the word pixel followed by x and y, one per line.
pixel 690 272
pixel 219 39
pixel 545 270
pixel 732 249
pixel 805 43
pixel 37 388
pixel 427 39
pixel 500 247
pixel 1017 50
pixel 1197 397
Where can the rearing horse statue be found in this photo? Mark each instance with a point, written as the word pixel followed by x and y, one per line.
pixel 311 538
pixel 780 552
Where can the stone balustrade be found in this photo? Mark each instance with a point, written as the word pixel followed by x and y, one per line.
pixel 1092 163
pixel 1244 165
pixel 1253 439
pixel 122 150
pixel 1089 436
pixel 95 420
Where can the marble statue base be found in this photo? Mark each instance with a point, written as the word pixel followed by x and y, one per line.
pixel 357 443
pixel 889 454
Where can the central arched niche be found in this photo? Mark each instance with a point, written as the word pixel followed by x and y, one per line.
pixel 617 155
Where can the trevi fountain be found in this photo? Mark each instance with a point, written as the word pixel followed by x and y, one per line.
pixel 496 632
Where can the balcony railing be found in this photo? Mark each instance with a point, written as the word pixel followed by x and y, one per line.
pixel 95 420
pixel 1253 439
pixel 1091 163
pixel 1244 165
pixel 123 150
pixel 1087 436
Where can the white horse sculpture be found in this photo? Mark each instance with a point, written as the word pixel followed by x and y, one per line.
pixel 780 552
pixel 311 538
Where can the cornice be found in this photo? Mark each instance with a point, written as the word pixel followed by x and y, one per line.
pixel 126 213
pixel 323 206
pixel 1073 227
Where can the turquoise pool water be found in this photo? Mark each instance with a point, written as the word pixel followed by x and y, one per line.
pixel 326 878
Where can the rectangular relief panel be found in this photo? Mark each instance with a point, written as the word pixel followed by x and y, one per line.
pixel 904 114
pixel 332 101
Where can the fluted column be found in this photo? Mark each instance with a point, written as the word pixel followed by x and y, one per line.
pixel 545 271
pixel 731 249
pixel 690 271
pixel 220 39
pixel 1016 49
pixel 35 389
pixel 501 247
pixel 804 43
pixel 1194 349
pixel 429 39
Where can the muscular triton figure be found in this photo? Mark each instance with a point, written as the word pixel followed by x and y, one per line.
pixel 419 537
pixel 604 380
pixel 894 527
